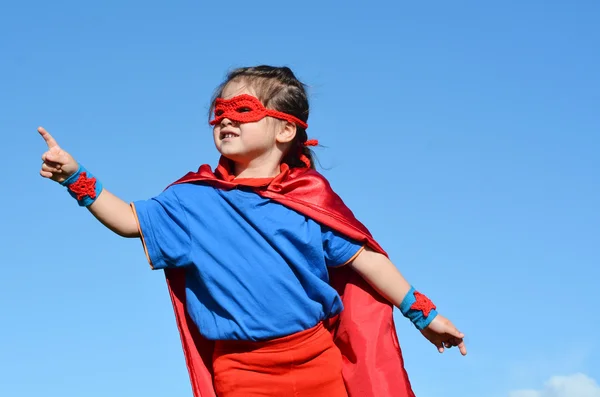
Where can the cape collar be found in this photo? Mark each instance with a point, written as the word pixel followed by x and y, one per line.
pixel 223 172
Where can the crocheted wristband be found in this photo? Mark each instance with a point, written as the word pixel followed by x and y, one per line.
pixel 418 308
pixel 83 186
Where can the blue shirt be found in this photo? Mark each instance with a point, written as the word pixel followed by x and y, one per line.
pixel 255 269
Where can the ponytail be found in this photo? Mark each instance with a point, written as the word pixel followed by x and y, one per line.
pixel 300 155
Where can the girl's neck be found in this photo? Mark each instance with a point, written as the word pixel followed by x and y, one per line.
pixel 263 170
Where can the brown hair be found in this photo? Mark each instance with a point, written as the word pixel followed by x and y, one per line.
pixel 279 89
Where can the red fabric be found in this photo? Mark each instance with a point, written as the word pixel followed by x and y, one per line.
pixel 364 332
pixel 83 186
pixel 422 303
pixel 304 364
pixel 246 109
pixel 304 158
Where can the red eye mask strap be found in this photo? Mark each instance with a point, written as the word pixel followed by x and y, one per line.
pixel 286 117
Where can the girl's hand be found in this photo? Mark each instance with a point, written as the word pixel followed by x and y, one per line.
pixel 57 164
pixel 443 334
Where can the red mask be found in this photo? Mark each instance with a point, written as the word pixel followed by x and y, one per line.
pixel 247 109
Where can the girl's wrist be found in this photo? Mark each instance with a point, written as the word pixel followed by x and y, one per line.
pixel 83 186
pixel 418 308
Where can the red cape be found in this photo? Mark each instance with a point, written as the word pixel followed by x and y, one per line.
pixel 364 331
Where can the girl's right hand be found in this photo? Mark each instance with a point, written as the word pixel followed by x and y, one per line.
pixel 57 164
pixel 444 335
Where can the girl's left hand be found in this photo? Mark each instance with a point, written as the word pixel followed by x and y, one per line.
pixel 443 334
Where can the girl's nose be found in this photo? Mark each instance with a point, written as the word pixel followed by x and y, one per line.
pixel 225 122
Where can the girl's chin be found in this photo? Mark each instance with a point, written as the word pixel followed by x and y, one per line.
pixel 234 155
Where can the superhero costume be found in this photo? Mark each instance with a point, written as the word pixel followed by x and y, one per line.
pixel 364 332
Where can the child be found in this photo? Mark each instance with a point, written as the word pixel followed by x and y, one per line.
pixel 277 289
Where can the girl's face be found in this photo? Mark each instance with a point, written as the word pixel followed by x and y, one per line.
pixel 245 143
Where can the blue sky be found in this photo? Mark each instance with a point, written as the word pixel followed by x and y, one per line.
pixel 464 134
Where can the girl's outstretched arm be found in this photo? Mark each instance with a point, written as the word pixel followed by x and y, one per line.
pixel 384 277
pixel 111 211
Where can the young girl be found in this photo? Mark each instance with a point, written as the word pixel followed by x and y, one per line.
pixel 277 289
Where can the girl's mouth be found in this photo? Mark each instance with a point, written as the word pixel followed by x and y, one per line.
pixel 228 135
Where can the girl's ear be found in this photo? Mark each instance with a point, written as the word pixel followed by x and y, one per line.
pixel 287 133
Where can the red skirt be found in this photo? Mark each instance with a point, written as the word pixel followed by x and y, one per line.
pixel 305 364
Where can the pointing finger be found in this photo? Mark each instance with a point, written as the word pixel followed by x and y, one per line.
pixel 462 348
pixel 47 137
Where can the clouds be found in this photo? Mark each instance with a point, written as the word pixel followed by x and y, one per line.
pixel 578 385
